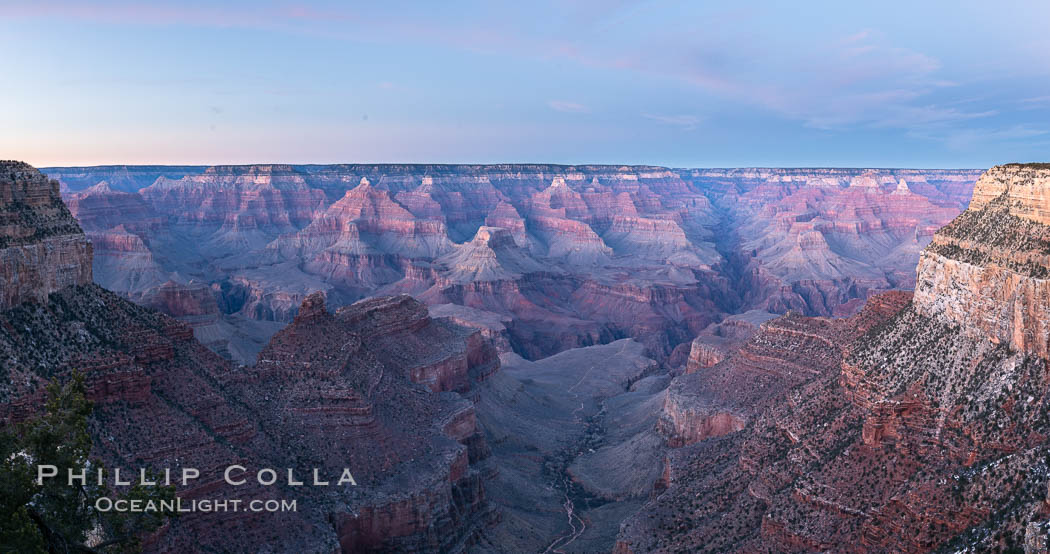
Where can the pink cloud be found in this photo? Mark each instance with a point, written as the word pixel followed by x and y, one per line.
pixel 567 107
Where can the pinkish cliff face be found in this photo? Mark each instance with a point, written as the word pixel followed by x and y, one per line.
pixel 987 271
pixel 1021 187
pixel 597 252
pixel 820 241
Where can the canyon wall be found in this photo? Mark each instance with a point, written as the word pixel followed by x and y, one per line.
pixel 821 241
pixel 42 249
pixel 987 271
pixel 915 425
pixel 596 253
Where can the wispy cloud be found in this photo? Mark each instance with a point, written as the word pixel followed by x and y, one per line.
pixel 686 122
pixel 968 139
pixel 567 107
pixel 861 80
pixel 858 36
pixel 853 80
pixel 1034 102
pixel 867 80
pixel 159 13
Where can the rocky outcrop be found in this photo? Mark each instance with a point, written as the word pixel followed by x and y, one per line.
pixel 719 340
pixel 402 327
pixel 184 300
pixel 493 326
pixel 705 354
pixel 1022 188
pixel 42 249
pixel 779 355
pixel 686 421
pixel 492 255
pixel 349 376
pixel 321 397
pixel 987 271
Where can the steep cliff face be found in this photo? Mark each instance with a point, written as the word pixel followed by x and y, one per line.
pixel 101 207
pixel 718 340
pixel 918 425
pixel 1021 187
pixel 263 195
pixel 121 225
pixel 987 271
pixel 368 389
pixel 783 354
pixel 42 249
pixel 229 210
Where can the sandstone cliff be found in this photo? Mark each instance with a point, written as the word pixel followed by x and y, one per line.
pixel 987 271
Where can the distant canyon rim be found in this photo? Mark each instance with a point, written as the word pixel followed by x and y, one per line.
pixel 542 258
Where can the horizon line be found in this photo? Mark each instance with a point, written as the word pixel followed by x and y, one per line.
pixel 483 164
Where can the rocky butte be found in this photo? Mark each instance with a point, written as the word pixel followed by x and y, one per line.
pixel 378 387
pixel 918 424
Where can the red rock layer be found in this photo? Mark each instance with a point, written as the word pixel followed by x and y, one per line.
pixel 42 249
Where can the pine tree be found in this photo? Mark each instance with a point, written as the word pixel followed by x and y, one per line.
pixel 56 517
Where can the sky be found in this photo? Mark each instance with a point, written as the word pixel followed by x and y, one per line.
pixel 676 83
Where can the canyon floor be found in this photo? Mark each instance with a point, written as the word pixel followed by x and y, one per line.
pixel 571 438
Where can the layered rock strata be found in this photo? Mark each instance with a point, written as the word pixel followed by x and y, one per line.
pixel 602 252
pixel 367 389
pixel 988 270
pixel 42 249
pixel 911 427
